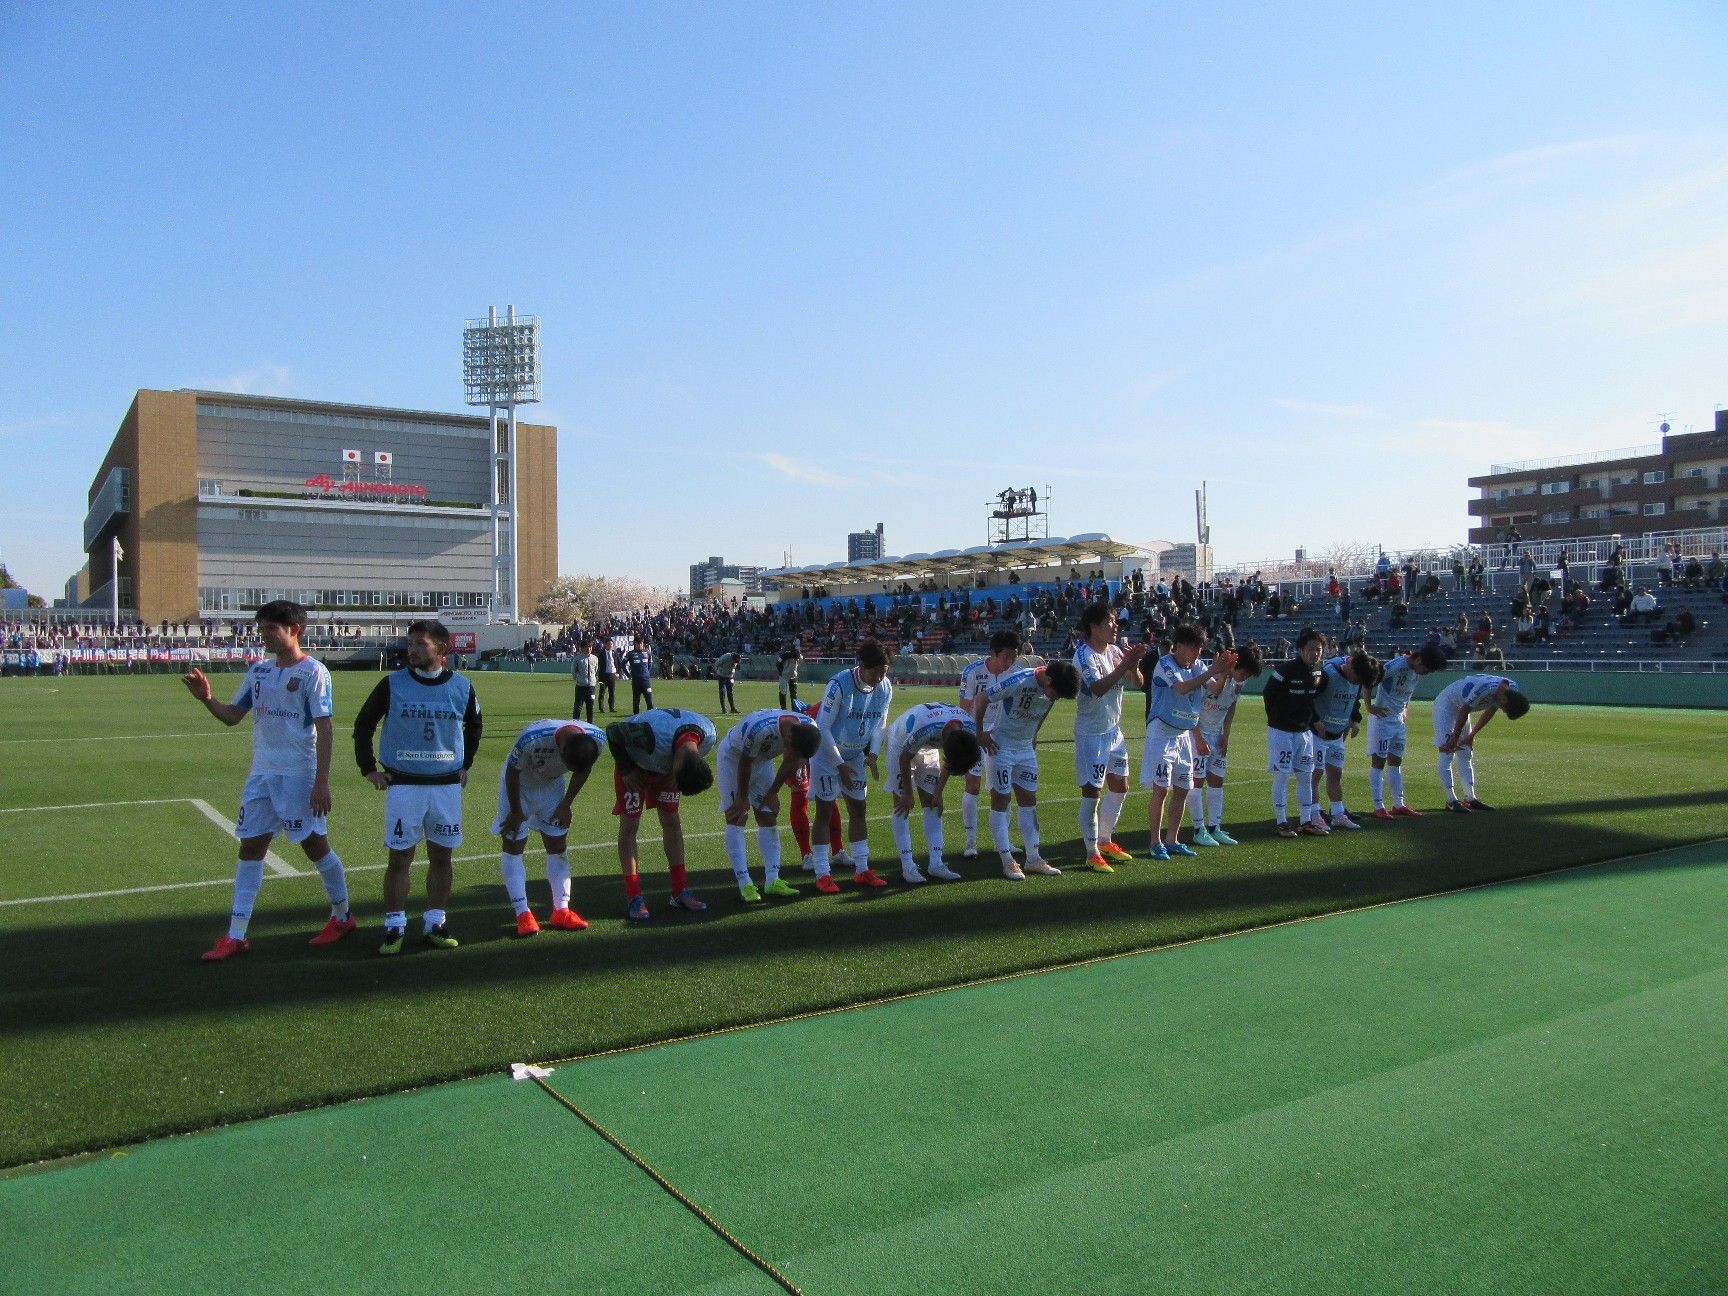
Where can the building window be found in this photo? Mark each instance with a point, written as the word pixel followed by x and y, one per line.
pixel 1559 515
pixel 1556 488
pixel 209 486
pixel 1655 477
pixel 1591 513
pixel 1655 510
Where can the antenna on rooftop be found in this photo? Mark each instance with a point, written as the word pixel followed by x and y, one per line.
pixel 1202 528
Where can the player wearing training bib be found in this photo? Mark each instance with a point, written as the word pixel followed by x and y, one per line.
pixel 287 790
pixel 1212 748
pixel 1388 726
pixel 1455 737
pixel 548 764
pixel 1178 693
pixel 658 757
pixel 432 726
pixel 1100 750
pixel 1337 718
pixel 1015 709
pixel 974 680
pixel 1291 688
pixel 853 716
pixel 926 745
pixel 750 781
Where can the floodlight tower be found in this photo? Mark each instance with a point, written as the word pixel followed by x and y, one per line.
pixel 501 370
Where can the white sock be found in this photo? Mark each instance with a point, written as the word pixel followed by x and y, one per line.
pixel 999 834
pixel 1280 796
pixel 433 918
pixel 901 828
pixel 819 858
pixel 969 817
pixel 335 884
pixel 1197 806
pixel 1029 832
pixel 860 852
pixel 1446 775
pixel 1089 824
pixel 515 882
pixel 735 853
pixel 933 835
pixel 768 842
pixel 1376 785
pixel 558 878
pixel 1337 808
pixel 1305 796
pixel 1215 806
pixel 1467 770
pixel 397 919
pixel 1109 812
pixel 248 880
pixel 1395 775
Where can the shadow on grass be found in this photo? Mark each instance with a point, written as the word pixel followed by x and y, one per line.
pixel 87 975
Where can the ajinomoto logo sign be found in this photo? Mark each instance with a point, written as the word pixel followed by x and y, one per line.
pixel 324 484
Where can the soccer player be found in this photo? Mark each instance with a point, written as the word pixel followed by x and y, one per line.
pixel 639 666
pixel 432 727
pixel 925 746
pixel 749 780
pixel 1291 687
pixel 1388 720
pixel 1016 708
pixel 1456 742
pixel 800 808
pixel 548 764
pixel 852 717
pixel 789 662
pixel 287 790
pixel 1100 750
pixel 974 680
pixel 1178 693
pixel 1337 719
pixel 658 756
pixel 1212 748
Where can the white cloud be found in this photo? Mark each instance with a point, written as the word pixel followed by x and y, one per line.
pixel 263 380
pixel 1329 410
pixel 792 470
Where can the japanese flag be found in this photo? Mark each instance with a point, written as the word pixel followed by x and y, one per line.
pixel 383 458
pixel 350 456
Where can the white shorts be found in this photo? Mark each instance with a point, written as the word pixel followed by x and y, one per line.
pixel 1289 753
pixel 825 782
pixel 538 799
pixel 1212 764
pixel 1328 753
pixel 1099 755
pixel 1007 770
pixel 279 803
pixel 1169 757
pixel 416 810
pixel 977 771
pixel 1443 722
pixel 926 773
pixel 726 778
pixel 1386 738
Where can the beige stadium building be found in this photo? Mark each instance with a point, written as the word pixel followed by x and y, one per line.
pixel 222 502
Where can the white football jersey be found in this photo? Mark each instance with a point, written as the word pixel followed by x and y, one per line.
pixel 285 701
pixel 1098 715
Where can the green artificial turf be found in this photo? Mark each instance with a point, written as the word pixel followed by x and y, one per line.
pixel 1514 1089
pixel 113 1031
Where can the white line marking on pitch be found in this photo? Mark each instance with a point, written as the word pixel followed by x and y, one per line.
pixel 272 861
pixel 91 805
pixel 9 742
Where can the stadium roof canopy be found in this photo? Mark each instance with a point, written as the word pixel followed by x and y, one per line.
pixel 1017 555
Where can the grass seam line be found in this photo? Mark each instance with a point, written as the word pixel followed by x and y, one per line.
pixel 1091 961
pixel 683 1199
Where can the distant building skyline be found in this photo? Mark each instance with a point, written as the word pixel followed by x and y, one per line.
pixel 865 544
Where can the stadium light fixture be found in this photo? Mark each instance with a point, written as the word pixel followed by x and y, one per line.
pixel 501 370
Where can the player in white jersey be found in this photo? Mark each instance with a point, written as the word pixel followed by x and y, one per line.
pixel 1016 708
pixel 288 788
pixel 1177 695
pixel 1344 682
pixel 1455 738
pixel 1100 750
pixel 926 745
pixel 974 680
pixel 750 781
pixel 1388 727
pixel 853 717
pixel 548 764
pixel 1212 748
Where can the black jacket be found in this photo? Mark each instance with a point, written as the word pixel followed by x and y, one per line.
pixel 1291 688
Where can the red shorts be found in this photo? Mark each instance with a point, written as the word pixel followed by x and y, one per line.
pixel 657 790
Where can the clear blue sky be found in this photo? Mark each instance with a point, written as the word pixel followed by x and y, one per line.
pixel 802 268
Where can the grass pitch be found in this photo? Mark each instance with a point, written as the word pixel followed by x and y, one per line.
pixel 116 876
